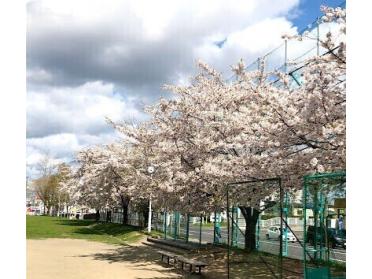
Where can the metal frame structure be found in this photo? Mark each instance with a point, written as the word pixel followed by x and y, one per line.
pixel 279 181
pixel 282 201
pixel 321 250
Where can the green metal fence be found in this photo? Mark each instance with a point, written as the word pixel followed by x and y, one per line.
pixel 323 202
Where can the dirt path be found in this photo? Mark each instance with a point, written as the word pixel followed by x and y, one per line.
pixel 81 259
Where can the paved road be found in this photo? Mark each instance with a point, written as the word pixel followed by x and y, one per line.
pixel 295 250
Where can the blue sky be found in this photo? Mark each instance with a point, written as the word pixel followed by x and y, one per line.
pixel 309 11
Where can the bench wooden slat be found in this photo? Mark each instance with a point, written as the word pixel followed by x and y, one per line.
pixel 177 258
pixel 168 254
pixel 191 261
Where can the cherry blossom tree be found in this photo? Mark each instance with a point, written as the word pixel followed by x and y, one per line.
pixel 214 132
pixel 88 187
pixel 110 175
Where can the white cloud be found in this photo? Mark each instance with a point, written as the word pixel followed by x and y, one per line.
pixel 255 40
pixel 62 147
pixel 91 59
pixel 298 49
pixel 60 144
pixel 78 110
pixel 146 43
pixel 38 76
pixel 62 120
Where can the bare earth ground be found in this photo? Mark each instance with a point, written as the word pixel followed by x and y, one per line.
pixel 81 259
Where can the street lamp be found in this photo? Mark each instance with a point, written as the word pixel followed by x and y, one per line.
pixel 150 170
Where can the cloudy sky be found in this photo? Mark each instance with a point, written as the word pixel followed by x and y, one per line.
pixel 91 59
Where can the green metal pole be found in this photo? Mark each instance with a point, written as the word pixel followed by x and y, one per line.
pixel 175 225
pixel 234 218
pixel 321 225
pixel 304 189
pixel 228 232
pixel 326 243
pixel 323 234
pixel 232 227
pixel 316 219
pixel 178 220
pixel 200 230
pixel 258 232
pixel 187 227
pixel 285 209
pixel 215 227
pixel 165 225
pixel 281 232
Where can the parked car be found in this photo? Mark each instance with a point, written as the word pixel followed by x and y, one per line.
pixel 274 233
pixel 335 237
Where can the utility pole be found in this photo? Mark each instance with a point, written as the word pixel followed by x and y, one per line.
pixel 150 170
pixel 150 217
pixel 317 37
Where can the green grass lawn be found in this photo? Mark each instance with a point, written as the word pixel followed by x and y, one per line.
pixel 41 227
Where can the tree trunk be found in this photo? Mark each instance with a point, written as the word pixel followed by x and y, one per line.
pixel 145 214
pixel 251 216
pixel 125 214
pixel 108 216
pixel 124 206
pixel 97 215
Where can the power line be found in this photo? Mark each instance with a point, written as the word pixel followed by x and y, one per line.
pixel 309 26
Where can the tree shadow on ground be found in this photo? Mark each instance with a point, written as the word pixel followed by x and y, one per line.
pixel 140 257
pixel 262 265
pixel 111 229
pixel 242 265
pixel 75 223
pixel 92 227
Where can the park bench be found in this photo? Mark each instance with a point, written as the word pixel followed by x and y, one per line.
pixel 191 263
pixel 183 260
pixel 167 255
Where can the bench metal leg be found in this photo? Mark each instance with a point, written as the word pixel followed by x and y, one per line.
pixel 190 267
pixel 168 260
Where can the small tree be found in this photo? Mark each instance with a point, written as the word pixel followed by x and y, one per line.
pixel 46 188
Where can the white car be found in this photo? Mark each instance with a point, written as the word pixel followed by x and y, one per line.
pixel 274 233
